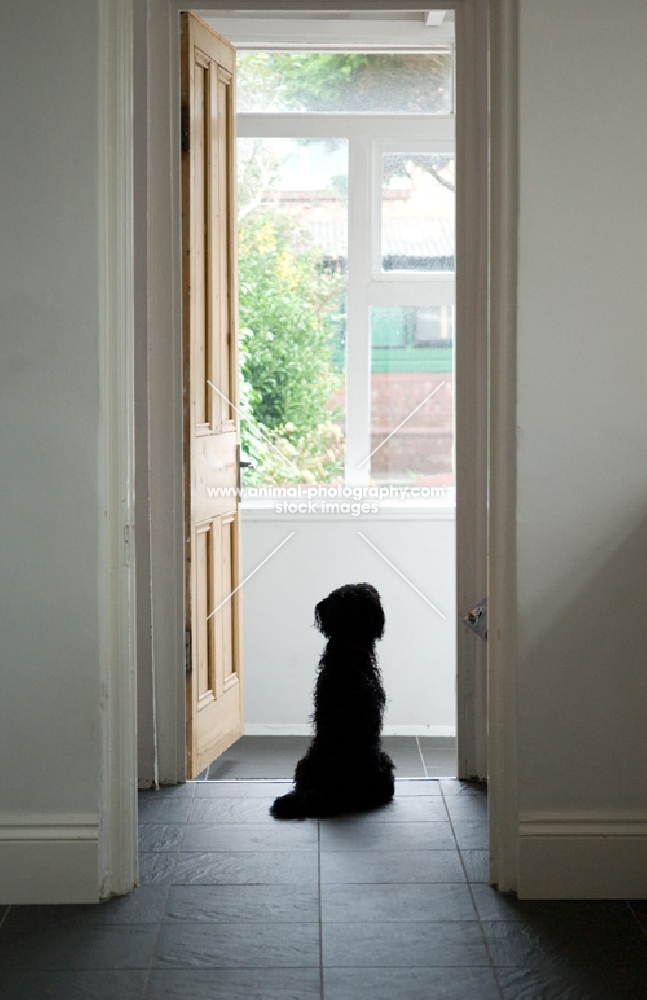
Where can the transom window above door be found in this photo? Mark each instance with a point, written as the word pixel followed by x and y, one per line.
pixel 346 193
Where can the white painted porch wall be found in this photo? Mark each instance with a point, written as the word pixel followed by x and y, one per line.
pixel 582 411
pixel 282 647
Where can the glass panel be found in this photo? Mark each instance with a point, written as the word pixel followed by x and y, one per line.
pixel 412 427
pixel 344 82
pixel 293 236
pixel 418 211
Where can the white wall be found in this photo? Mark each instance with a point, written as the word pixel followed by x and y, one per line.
pixel 49 415
pixel 582 447
pixel 282 647
pixel 582 414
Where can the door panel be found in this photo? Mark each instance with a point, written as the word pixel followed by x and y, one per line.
pixel 209 289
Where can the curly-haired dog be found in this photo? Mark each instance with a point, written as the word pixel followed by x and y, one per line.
pixel 345 768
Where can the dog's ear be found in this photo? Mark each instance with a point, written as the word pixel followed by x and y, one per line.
pixel 352 612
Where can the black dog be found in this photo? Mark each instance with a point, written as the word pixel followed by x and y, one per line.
pixel 345 768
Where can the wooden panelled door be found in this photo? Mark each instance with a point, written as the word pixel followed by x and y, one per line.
pixel 211 432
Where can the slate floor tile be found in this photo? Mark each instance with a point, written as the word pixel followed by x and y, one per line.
pixel 439 768
pixel 410 984
pixel 247 868
pixel 160 807
pixel 145 905
pixel 260 757
pixel 398 742
pixel 566 943
pixel 242 789
pixel 408 763
pixel 582 984
pixel 103 985
pixel 250 837
pixel 273 768
pixel 467 807
pixel 477 865
pixel 416 786
pixel 358 867
pixel 444 742
pixel 243 903
pixel 439 756
pixel 471 835
pixel 232 911
pixel 235 945
pixel 404 809
pixel 217 809
pixel 67 948
pixel 355 833
pixel 639 909
pixel 403 945
pixel 160 836
pixel 453 786
pixel 396 902
pixel 156 868
pixel 492 906
pixel 233 984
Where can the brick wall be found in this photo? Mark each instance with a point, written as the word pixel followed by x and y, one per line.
pixel 422 449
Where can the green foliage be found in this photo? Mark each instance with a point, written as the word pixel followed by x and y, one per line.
pixel 287 312
pixel 344 81
pixel 294 81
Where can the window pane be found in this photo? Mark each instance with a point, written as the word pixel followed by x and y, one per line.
pixel 293 224
pixel 412 436
pixel 418 210
pixel 344 82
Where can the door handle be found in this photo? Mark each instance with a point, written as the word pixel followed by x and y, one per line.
pixel 241 464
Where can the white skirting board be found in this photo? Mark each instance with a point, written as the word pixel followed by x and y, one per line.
pixel 583 856
pixel 300 729
pixel 49 860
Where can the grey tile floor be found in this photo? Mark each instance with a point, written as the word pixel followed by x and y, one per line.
pixel 390 905
pixel 275 757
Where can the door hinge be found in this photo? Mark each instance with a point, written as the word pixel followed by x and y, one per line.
pixel 187 650
pixel 185 128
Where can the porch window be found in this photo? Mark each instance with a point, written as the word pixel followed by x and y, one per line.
pixel 347 248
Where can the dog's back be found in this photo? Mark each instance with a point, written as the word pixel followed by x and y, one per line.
pixel 345 768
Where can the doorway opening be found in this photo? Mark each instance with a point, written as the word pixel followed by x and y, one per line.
pixel 347 278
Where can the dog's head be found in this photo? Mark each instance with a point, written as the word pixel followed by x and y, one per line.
pixel 353 612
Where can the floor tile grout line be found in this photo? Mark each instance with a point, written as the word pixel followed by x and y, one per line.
pixel 424 766
pixel 166 895
pixel 641 927
pixel 155 943
pixel 471 892
pixel 321 971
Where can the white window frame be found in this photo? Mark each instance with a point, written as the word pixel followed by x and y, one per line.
pixel 369 136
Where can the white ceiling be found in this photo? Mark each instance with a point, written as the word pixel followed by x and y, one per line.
pixel 412 31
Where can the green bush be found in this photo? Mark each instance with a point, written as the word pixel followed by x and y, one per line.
pixel 288 308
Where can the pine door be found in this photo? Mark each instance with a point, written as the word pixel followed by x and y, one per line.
pixel 211 432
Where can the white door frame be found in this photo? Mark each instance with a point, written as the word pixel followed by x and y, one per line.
pixel 117 710
pixel 502 431
pixel 163 323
